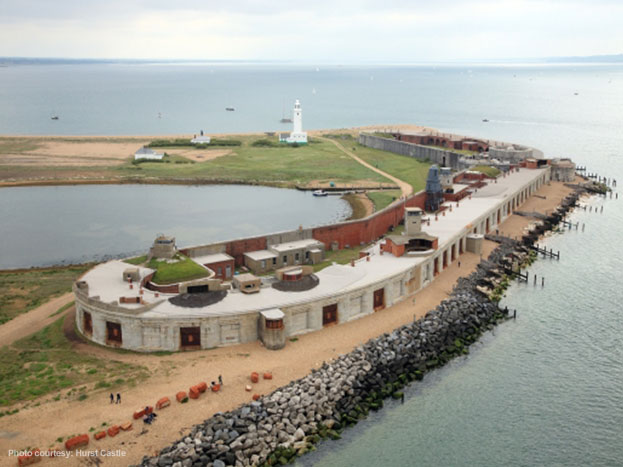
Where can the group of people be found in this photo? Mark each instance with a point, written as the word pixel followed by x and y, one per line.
pixel 112 398
pixel 149 417
pixel 220 382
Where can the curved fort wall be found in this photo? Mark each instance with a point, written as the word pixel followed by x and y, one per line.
pixel 153 333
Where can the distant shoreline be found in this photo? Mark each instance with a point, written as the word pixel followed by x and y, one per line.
pixel 16 61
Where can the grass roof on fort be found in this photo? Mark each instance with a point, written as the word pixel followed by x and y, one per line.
pixel 183 269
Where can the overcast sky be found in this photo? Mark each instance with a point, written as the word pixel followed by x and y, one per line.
pixel 316 30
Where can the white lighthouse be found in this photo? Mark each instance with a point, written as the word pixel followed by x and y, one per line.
pixel 298 135
pixel 297 118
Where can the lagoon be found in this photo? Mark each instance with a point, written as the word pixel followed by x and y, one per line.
pixel 42 226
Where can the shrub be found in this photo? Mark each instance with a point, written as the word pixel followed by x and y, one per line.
pixel 264 143
pixel 225 142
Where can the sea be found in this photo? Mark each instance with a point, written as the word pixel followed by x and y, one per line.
pixel 544 389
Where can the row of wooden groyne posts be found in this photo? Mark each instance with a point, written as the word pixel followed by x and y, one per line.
pixel 291 420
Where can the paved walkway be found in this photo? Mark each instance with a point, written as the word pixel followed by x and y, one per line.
pixel 27 323
pixel 404 186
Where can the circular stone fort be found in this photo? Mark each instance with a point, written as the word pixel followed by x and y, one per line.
pixel 275 286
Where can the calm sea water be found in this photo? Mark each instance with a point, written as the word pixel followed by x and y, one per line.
pixel 50 225
pixel 543 390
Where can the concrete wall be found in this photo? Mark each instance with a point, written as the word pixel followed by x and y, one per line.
pixel 422 153
pixel 513 153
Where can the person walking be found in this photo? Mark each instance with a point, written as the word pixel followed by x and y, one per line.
pixel 112 398
pixel 118 398
pixel 220 380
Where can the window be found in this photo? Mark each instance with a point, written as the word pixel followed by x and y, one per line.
pixel 274 324
pixel 220 271
pixel 307 255
pixel 275 261
pixel 113 333
pixel 190 337
pixel 297 256
pixel 263 263
pixel 329 314
pixel 285 259
pixel 87 323
pixel 228 271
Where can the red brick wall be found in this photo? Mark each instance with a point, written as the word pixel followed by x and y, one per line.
pixel 350 233
pixel 366 230
pixel 462 178
pixel 223 265
pixel 237 248
pixel 391 247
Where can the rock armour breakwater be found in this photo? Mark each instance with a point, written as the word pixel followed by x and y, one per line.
pixel 291 420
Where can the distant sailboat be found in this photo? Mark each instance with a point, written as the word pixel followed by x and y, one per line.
pixel 54 116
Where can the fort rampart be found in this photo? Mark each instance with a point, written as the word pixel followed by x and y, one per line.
pixel 144 329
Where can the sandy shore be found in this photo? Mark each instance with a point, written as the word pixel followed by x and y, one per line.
pixel 179 371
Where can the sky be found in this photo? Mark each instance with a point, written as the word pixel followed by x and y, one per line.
pixel 311 31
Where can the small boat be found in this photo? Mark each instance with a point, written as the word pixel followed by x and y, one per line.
pixel 319 193
pixel 285 119
pixel 485 120
pixel 54 117
pixel 230 109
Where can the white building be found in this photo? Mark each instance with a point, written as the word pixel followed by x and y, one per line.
pixel 201 139
pixel 147 154
pixel 298 135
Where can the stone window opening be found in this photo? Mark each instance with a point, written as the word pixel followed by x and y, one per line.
pixel 87 323
pixel 113 333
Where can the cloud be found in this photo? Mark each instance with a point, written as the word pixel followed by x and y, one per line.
pixel 403 30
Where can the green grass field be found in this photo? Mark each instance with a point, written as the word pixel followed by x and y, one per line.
pixel 341 257
pixel 170 273
pixel 405 168
pixel 136 260
pixel 382 199
pixel 487 170
pixel 282 165
pixel 22 291
pixel 44 364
